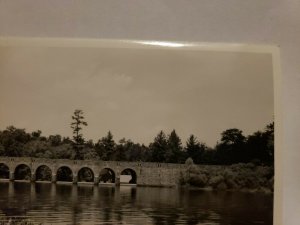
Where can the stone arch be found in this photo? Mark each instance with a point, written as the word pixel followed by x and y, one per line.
pixel 64 173
pixel 85 174
pixel 22 172
pixel 4 171
pixel 128 180
pixel 43 173
pixel 107 175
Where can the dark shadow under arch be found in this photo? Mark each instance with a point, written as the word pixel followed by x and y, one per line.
pixel 107 175
pixel 4 171
pixel 43 173
pixel 85 174
pixel 129 172
pixel 64 173
pixel 22 172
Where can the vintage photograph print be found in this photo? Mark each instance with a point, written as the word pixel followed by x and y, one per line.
pixel 136 132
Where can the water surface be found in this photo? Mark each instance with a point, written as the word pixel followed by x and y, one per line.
pixel 87 204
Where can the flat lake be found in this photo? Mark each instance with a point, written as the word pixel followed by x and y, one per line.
pixel 87 204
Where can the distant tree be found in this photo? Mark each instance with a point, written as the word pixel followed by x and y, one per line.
pixel 146 153
pixel 209 156
pixel 135 153
pixel 36 134
pixel 55 140
pixel 106 146
pixel 76 125
pixel 121 148
pixel 2 150
pixel 232 137
pixel 195 149
pixel 269 132
pixel 13 140
pixel 90 143
pixel 127 150
pixel 231 149
pixel 63 151
pixel 174 149
pixel 37 148
pixel 158 147
pixel 66 140
pixel 260 145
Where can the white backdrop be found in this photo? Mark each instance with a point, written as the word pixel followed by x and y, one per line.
pixel 243 21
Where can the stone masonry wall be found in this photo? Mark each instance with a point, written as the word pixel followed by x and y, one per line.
pixel 147 173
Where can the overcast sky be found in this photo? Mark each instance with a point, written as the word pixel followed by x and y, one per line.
pixel 135 93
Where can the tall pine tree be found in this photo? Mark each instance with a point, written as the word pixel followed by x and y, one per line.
pixel 158 148
pixel 195 149
pixel 174 148
pixel 78 140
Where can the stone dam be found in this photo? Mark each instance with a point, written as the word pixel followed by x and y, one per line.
pixel 142 173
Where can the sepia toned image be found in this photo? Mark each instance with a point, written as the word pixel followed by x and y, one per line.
pixel 136 132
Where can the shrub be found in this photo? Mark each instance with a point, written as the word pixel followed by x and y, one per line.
pixel 235 177
pixel 194 169
pixel 231 184
pixel 215 181
pixel 221 186
pixel 189 161
pixel 199 180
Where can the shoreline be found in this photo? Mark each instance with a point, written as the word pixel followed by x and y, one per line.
pixel 181 187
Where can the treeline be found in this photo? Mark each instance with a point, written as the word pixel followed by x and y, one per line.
pixel 232 148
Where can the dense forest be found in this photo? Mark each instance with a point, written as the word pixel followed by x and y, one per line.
pixel 232 148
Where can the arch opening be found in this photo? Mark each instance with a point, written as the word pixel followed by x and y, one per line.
pixel 4 171
pixel 22 172
pixel 85 174
pixel 64 173
pixel 128 176
pixel 43 173
pixel 107 175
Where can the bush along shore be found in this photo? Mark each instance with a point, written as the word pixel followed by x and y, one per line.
pixel 237 177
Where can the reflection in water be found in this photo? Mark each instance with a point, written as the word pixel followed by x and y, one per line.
pixel 87 204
